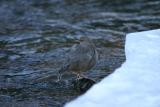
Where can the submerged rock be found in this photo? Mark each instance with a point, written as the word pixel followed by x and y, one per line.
pixel 82 85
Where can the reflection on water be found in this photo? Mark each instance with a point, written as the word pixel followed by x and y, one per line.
pixel 35 36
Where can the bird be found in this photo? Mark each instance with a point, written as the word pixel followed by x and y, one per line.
pixel 82 57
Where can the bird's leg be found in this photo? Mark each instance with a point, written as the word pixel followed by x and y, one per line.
pixel 80 76
pixel 59 77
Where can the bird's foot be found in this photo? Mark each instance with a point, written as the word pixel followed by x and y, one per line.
pixel 59 78
pixel 80 76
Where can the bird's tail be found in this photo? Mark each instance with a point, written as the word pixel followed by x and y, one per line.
pixel 62 70
pixel 51 75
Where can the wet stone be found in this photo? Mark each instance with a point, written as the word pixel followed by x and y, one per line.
pixel 82 85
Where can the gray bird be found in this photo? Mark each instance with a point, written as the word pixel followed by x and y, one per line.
pixel 82 57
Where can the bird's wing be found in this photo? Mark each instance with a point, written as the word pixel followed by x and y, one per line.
pixel 80 49
pixel 79 57
pixel 79 52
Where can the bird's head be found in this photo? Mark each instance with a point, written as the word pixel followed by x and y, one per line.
pixel 83 39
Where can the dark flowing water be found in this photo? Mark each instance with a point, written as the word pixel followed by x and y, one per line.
pixel 35 36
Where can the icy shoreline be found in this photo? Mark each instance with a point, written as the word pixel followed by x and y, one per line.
pixel 135 83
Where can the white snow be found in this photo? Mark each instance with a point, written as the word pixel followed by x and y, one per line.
pixel 136 82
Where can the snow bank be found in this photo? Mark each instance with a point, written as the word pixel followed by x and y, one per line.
pixel 136 82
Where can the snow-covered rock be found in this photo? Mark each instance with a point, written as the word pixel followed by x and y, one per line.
pixel 136 82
